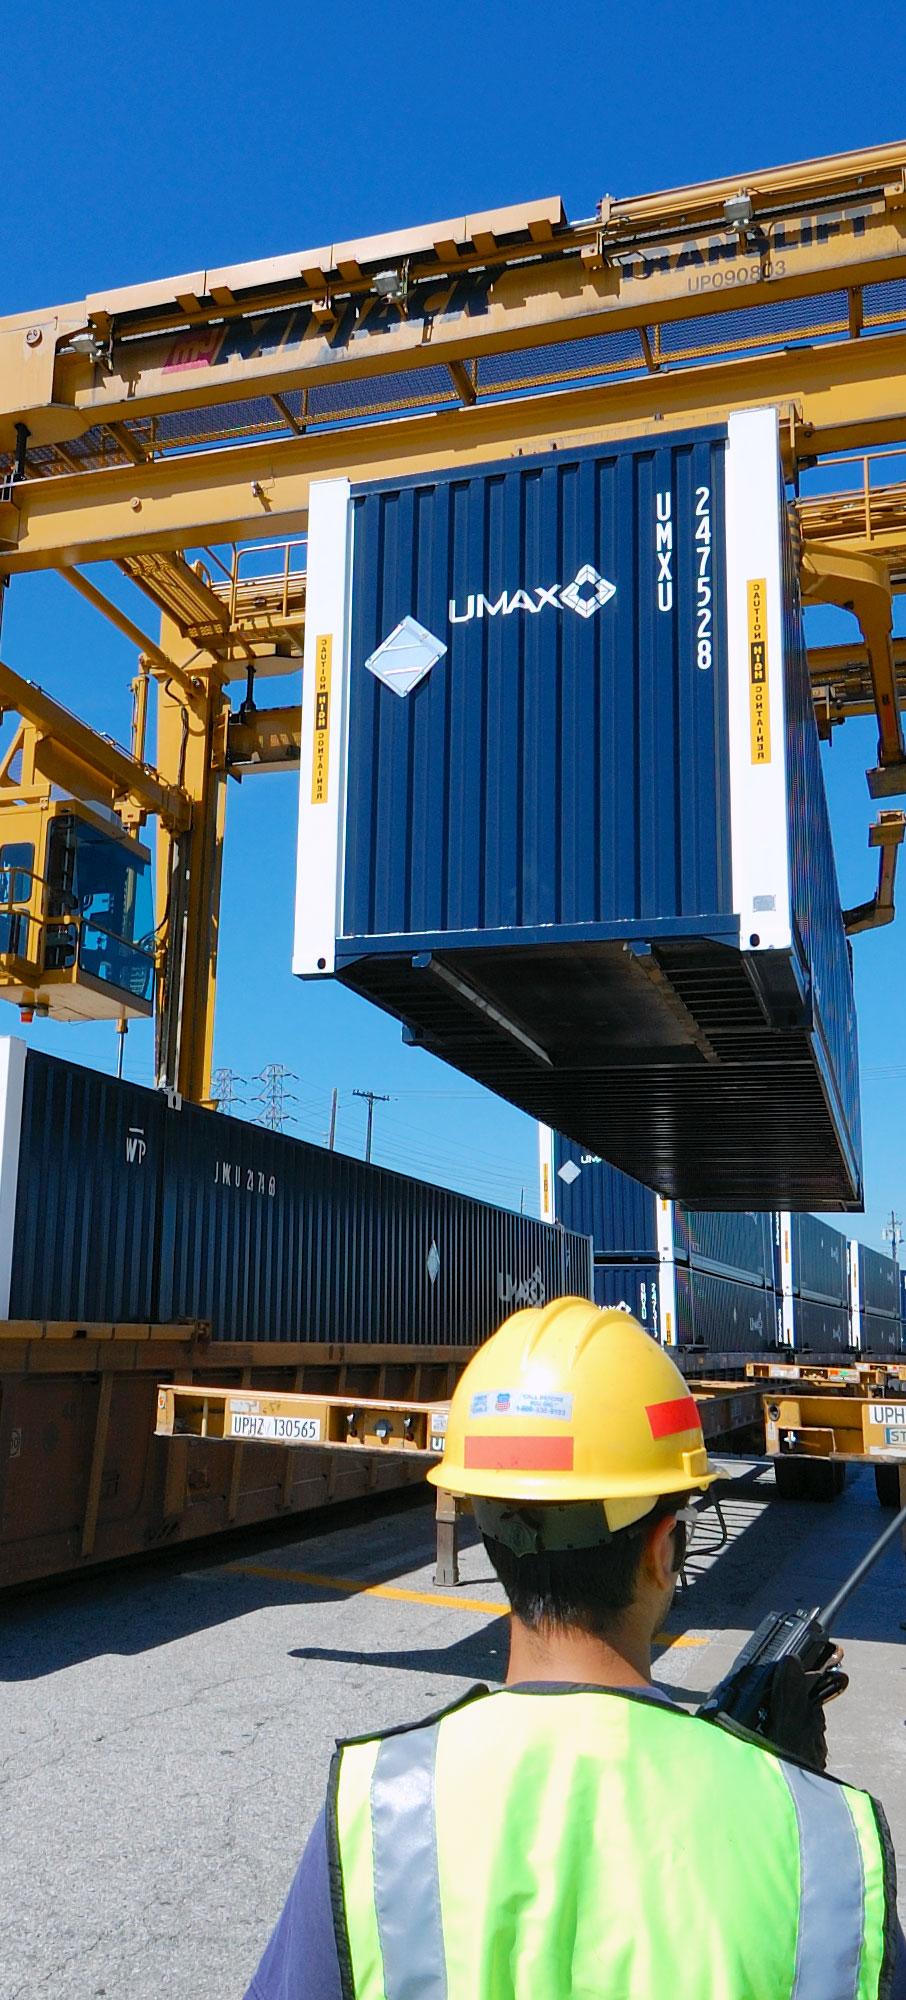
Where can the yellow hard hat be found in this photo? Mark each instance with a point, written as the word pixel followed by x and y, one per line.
pixel 571 1402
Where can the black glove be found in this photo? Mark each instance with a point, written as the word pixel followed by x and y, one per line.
pixel 795 1720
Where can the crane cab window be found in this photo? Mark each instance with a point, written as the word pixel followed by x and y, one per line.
pixel 17 866
pixel 99 904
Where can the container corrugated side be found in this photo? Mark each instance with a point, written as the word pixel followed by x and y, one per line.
pixel 820 1268
pixel 879 1282
pixel 561 859
pixel 86 1237
pixel 489 801
pixel 734 1245
pixel 729 1317
pixel 594 1198
pixel 819 1326
pixel 273 1239
pixel 825 951
pixel 124 1209
pixel 880 1334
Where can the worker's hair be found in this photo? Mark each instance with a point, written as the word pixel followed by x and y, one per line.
pixel 581 1588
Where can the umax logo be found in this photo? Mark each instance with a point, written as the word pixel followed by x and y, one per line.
pixel 588 593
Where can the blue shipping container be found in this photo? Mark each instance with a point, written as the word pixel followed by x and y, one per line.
pixel 729 1317
pixel 880 1334
pixel 626 1220
pixel 819 1326
pixel 114 1206
pixel 874 1282
pixel 691 1309
pixel 812 1259
pixel 636 1288
pixel 658 1294
pixel 560 771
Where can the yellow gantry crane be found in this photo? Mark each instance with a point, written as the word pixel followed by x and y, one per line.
pixel 174 428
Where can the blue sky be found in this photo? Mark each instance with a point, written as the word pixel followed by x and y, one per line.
pixel 151 140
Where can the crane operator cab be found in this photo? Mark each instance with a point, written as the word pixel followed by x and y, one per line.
pixel 76 922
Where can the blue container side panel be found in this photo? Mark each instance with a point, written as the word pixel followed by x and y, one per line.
pixel 879 1282
pixel 129 1211
pixel 880 1334
pixel 823 946
pixel 594 1198
pixel 820 1326
pixel 553 768
pixel 820 1260
pixel 637 1288
pixel 739 1244
pixel 729 1317
pixel 86 1236
pixel 621 1216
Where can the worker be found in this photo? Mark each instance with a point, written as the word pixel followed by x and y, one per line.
pixel 574 1832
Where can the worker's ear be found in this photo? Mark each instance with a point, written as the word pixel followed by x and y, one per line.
pixel 659 1556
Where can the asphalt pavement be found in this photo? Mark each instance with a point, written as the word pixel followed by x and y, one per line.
pixel 167 1729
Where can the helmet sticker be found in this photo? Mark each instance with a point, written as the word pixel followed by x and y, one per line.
pixel 521 1403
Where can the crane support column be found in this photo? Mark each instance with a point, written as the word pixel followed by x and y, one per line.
pixel 861 584
pixel 191 741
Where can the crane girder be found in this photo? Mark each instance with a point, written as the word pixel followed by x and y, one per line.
pixel 831 397
pixel 458 312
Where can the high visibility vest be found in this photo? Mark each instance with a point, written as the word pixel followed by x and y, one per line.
pixel 599 1846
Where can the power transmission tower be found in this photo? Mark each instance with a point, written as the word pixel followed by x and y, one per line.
pixel 372 1097
pixel 223 1088
pixel 892 1233
pixel 274 1097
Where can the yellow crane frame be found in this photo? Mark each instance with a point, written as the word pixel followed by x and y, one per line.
pixel 193 414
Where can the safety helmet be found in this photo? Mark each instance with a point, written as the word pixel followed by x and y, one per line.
pixel 569 1403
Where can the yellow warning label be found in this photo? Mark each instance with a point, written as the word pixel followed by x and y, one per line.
pixel 546 1191
pixel 320 752
pixel 759 689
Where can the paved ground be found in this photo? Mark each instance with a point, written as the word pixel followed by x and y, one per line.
pixel 167 1730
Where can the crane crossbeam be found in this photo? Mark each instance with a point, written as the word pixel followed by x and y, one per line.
pixel 459 312
pixel 833 397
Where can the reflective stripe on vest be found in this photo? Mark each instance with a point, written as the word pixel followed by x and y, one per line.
pixel 432 1912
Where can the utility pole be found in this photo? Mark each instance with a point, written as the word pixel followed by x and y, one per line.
pixel 332 1128
pixel 223 1089
pixel 273 1096
pixel 372 1097
pixel 892 1233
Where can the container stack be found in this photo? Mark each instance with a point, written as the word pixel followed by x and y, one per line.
pixel 696 1278
pixel 874 1301
pixel 723 1283
pixel 812 1278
